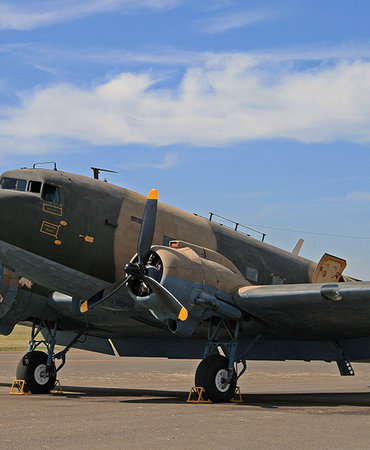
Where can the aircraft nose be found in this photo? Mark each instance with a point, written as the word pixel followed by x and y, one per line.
pixel 17 213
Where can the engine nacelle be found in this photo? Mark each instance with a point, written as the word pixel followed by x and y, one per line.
pixel 187 271
pixel 182 329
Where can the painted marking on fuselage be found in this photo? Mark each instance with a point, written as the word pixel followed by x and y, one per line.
pixel 24 282
pixel 50 229
pixel 89 239
pixel 52 209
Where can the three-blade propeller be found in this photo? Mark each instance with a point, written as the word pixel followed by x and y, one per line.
pixel 140 271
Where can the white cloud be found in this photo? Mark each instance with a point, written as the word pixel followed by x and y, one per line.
pixel 358 196
pixel 26 15
pixel 219 4
pixel 40 55
pixel 167 162
pixel 229 21
pixel 224 99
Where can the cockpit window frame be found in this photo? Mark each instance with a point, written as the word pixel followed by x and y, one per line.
pixel 38 186
pixel 46 190
pixel 20 184
pixel 51 197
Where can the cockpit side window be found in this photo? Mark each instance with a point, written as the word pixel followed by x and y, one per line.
pixel 34 186
pixel 51 194
pixel 13 183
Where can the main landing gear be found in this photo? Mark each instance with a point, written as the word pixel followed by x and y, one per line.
pixel 33 369
pixel 218 374
pixel 212 374
pixel 38 368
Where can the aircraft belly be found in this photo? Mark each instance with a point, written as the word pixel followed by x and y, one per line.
pixel 279 349
pixel 89 343
pixel 306 349
pixel 166 347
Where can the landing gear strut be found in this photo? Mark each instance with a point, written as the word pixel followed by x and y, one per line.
pixel 38 368
pixel 218 374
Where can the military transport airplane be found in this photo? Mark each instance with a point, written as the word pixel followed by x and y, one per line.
pixel 98 267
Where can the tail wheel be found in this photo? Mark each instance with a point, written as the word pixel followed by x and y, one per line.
pixel 32 369
pixel 212 374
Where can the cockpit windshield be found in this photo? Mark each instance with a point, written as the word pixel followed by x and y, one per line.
pixel 49 192
pixel 13 183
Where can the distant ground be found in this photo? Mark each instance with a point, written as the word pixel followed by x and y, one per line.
pixel 17 340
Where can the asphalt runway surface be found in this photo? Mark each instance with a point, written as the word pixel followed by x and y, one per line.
pixel 132 403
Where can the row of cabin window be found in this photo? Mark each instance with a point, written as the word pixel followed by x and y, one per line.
pixel 252 275
pixel 49 192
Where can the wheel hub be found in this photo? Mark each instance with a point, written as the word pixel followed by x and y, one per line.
pixel 221 380
pixel 41 375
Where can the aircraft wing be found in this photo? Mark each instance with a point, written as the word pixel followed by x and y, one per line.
pixel 323 310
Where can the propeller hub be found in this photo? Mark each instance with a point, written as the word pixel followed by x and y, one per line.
pixel 153 268
pixel 134 270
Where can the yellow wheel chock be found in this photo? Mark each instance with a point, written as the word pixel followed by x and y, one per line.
pixel 237 396
pixel 57 388
pixel 20 386
pixel 196 396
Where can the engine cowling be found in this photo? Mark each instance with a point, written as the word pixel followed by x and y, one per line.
pixel 187 272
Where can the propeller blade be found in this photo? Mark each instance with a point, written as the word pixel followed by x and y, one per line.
pixel 103 295
pixel 167 298
pixel 147 227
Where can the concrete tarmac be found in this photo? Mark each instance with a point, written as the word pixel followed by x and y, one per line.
pixel 132 403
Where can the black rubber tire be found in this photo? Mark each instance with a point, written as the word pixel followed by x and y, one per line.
pixel 205 377
pixel 26 371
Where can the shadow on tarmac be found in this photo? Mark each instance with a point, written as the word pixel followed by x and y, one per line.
pixel 262 400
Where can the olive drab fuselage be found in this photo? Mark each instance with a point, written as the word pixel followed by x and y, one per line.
pixel 92 226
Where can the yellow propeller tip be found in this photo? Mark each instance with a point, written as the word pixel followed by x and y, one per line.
pixel 83 307
pixel 183 315
pixel 153 194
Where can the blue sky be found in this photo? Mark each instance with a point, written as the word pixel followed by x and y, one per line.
pixel 257 111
